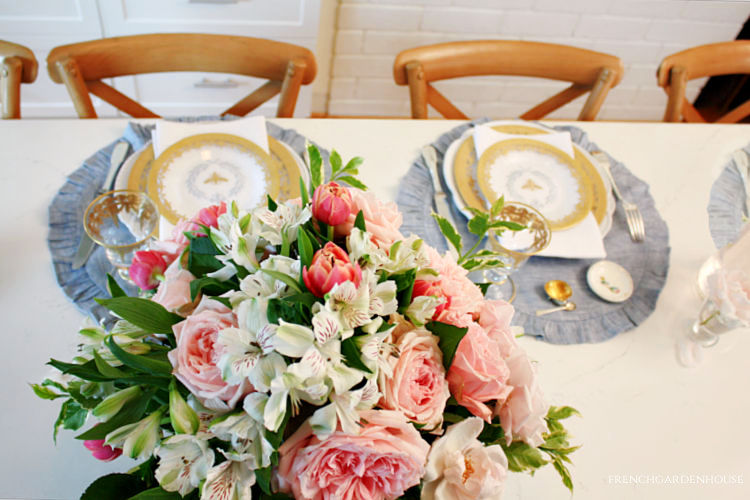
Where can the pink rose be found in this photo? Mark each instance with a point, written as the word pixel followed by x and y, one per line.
pixel 102 452
pixel 384 460
pixel 382 220
pixel 196 356
pixel 417 388
pixel 522 413
pixel 331 204
pixel 330 266
pixel 478 373
pixel 209 216
pixel 465 296
pixel 147 267
pixel 173 246
pixel 495 317
pixel 174 292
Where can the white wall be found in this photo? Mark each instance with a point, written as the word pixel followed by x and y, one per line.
pixel 369 34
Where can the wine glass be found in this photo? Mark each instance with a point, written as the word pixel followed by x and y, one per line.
pixel 123 222
pixel 515 247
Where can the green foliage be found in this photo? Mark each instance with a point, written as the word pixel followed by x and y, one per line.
pixel 272 205
pixel 202 254
pixel 346 173
pixel 143 313
pixel 450 336
pixel 114 288
pixel 359 221
pixel 143 363
pixel 209 286
pixel 305 247
pixel 352 355
pixel 284 278
pixel 404 288
pixel 316 167
pixel 158 493
pixel 523 457
pixel 132 411
pixel 114 487
pixel 71 417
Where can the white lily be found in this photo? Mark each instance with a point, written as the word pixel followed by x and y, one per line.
pixel 138 439
pixel 230 480
pixel 184 461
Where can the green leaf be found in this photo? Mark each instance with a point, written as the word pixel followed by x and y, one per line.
pixel 449 232
pixel 336 162
pixel 86 371
pixel 114 288
pixel 71 417
pixel 450 336
pixel 359 221
pixel 556 440
pixel 316 167
pixel 497 206
pixel 284 278
pixel 304 246
pixel 353 182
pixel 291 312
pixel 209 286
pixel 561 412
pixel 404 288
pixel 352 355
pixel 479 224
pixel 145 364
pixel 513 226
pixel 303 192
pixel 143 313
pixel 106 369
pixel 263 476
pixel 45 392
pixel 484 287
pixel 157 493
pixel 114 487
pixel 272 205
pixel 353 164
pixel 132 411
pixel 523 457
pixel 564 473
pixel 224 301
pixel 492 434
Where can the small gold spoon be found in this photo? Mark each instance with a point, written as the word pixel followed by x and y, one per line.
pixel 559 291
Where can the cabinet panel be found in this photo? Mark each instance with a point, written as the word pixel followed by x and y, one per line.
pixel 78 19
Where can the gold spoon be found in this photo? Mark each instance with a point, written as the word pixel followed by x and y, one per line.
pixel 559 291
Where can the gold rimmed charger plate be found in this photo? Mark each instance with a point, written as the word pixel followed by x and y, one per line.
pixel 539 184
pixel 284 160
pixel 204 169
pixel 465 164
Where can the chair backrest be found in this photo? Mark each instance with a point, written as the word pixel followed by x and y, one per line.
pixel 17 65
pixel 588 71
pixel 82 66
pixel 724 58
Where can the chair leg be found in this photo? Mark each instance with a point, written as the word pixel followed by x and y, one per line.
pixel 10 87
pixel 417 89
pixel 79 93
pixel 295 71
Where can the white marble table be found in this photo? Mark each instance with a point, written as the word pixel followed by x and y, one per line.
pixel 646 419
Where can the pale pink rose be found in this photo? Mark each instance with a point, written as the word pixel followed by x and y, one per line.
pixel 174 292
pixel 495 317
pixel 417 387
pixel 196 356
pixel 465 296
pixel 177 241
pixel 384 460
pixel 478 374
pixel 522 413
pixel 460 467
pixel 382 220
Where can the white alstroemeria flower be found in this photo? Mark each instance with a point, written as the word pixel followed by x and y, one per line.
pixel 343 411
pixel 205 417
pixel 351 303
pixel 363 250
pixel 138 439
pixel 243 245
pixel 422 308
pixel 375 351
pixel 460 467
pixel 113 403
pixel 285 220
pixel 184 461
pixel 383 300
pixel 230 480
pixel 247 436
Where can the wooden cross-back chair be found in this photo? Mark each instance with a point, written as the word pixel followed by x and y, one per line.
pixel 588 71
pixel 17 65
pixel 83 66
pixel 724 58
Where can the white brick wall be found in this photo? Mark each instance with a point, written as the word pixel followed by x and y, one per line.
pixel 369 34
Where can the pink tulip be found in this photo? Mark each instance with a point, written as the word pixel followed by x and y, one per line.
pixel 431 288
pixel 209 216
pixel 331 203
pixel 102 452
pixel 147 267
pixel 329 267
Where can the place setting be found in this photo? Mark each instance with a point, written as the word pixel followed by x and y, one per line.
pixel 139 187
pixel 595 252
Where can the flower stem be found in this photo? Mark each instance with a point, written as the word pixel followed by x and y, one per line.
pixel 330 233
pixel 712 316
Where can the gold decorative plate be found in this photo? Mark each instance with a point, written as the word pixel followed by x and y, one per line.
pixel 464 164
pixel 538 174
pixel 136 170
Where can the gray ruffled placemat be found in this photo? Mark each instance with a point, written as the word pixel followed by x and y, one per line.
pixel 727 211
pixel 83 285
pixel 594 320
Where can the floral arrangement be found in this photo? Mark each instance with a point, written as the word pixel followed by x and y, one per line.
pixel 308 350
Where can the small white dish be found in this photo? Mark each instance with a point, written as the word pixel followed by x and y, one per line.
pixel 610 281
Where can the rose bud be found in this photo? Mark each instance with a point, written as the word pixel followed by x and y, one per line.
pixel 331 203
pixel 209 216
pixel 102 451
pixel 330 266
pixel 147 267
pixel 430 289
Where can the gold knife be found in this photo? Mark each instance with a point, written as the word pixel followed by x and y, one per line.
pixel 86 246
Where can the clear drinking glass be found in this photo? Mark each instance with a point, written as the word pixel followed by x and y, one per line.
pixel 515 247
pixel 122 222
